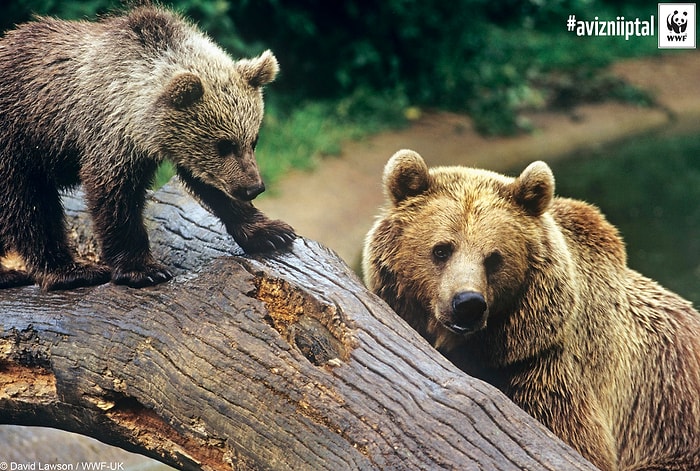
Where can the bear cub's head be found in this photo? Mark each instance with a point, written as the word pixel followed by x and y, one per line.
pixel 453 247
pixel 208 120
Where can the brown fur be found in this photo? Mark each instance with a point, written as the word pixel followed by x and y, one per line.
pixel 604 357
pixel 103 104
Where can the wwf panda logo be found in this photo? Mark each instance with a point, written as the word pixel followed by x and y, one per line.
pixel 676 22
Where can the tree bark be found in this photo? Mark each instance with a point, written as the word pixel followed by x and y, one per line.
pixel 250 362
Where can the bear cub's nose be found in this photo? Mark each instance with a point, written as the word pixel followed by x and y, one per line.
pixel 468 309
pixel 248 194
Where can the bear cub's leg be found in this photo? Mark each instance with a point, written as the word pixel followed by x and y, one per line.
pixel 251 229
pixel 36 230
pixel 117 212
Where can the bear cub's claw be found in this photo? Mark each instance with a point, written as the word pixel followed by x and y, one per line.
pixel 75 275
pixel 148 274
pixel 265 236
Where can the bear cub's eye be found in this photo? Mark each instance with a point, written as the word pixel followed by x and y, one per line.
pixel 493 262
pixel 441 252
pixel 226 148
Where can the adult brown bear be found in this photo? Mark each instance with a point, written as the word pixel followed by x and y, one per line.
pixel 532 293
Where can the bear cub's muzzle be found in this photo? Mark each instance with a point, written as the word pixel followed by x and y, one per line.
pixel 249 194
pixel 469 311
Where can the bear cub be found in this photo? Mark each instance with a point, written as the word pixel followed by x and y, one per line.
pixel 102 104
pixel 532 293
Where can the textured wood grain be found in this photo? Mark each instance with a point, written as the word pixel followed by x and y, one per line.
pixel 278 362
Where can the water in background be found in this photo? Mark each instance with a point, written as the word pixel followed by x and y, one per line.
pixel 649 188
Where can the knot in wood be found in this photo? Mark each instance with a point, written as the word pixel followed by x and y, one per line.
pixel 315 328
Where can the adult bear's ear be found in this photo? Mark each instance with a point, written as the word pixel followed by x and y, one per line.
pixel 534 188
pixel 405 175
pixel 260 70
pixel 184 90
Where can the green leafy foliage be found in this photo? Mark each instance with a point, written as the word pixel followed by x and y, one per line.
pixel 488 59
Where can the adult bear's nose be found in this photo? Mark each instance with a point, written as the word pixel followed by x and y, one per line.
pixel 468 311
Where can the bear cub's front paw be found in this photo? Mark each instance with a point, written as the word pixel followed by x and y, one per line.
pixel 138 276
pixel 74 275
pixel 264 236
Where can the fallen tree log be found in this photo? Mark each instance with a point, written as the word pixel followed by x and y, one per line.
pixel 277 362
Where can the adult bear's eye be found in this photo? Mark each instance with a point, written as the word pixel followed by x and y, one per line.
pixel 493 262
pixel 441 252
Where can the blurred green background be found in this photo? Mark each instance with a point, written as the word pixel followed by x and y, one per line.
pixel 649 188
pixel 354 67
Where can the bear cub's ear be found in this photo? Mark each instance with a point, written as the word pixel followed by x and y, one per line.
pixel 260 70
pixel 534 188
pixel 406 174
pixel 184 90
